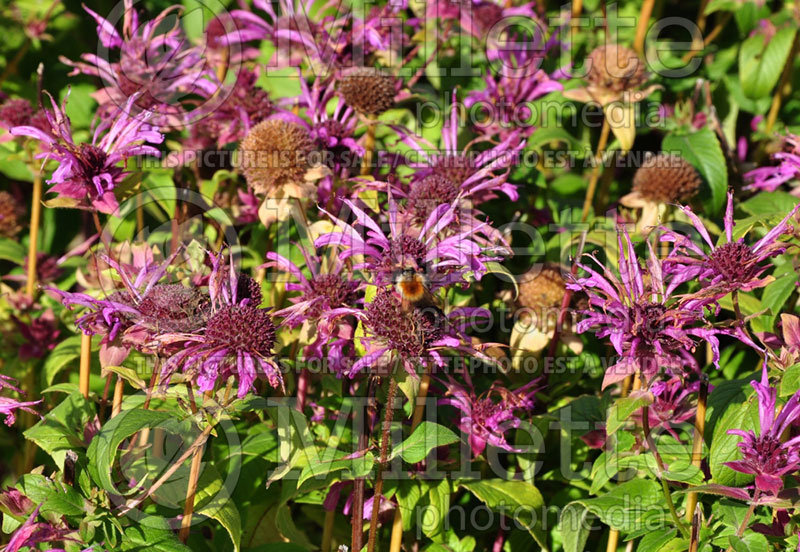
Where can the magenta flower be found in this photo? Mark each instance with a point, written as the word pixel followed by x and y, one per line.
pixel 410 337
pixel 155 62
pixel 787 169
pixel 671 404
pixel 89 172
pixel 766 455
pixel 647 326
pixel 446 259
pixel 487 417
pixel 40 335
pixel 31 533
pixel 237 337
pixel 245 106
pixel 478 176
pixel 477 17
pixel 506 98
pixel 320 295
pixel 727 267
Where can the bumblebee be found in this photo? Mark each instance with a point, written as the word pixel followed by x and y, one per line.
pixel 414 289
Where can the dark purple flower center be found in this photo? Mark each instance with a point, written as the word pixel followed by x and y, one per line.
pixel 429 193
pixel 735 262
pixel 243 329
pixel 648 321
pixel 770 455
pixel 407 332
pixel 248 288
pixel 406 247
pixel 174 308
pixel 16 112
pixel 93 162
pixel 333 291
pixel 455 168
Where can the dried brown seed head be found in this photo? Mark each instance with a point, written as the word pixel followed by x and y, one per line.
pixel 666 178
pixel 615 68
pixel 274 154
pixel 367 90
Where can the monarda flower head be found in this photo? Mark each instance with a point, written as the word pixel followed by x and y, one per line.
pixel 155 62
pixel 237 340
pixel 786 170
pixel 723 268
pixel 88 173
pixel 411 338
pixel 485 418
pixel 476 176
pixel 328 288
pixel 447 259
pixel 274 159
pixel 662 179
pixel 767 455
pixel 9 213
pixel 368 90
pixel 648 328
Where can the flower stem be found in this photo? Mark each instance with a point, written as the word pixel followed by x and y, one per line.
pixel 85 365
pixel 119 389
pixel 613 541
pixel 387 429
pixel 396 540
pixel 369 147
pixel 697 442
pixel 194 476
pixel 641 28
pixel 327 531
pixel 33 238
pixel 357 524
pixel 747 516
pixel 664 485
pixel 598 158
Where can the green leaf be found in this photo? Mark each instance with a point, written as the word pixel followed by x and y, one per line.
pixel 408 495
pixel 151 534
pixel 213 500
pixel 574 527
pixel 702 150
pixel 12 250
pixel 655 540
pixel 628 507
pixel 103 448
pixel 60 357
pixel 724 446
pixel 761 61
pixel 790 382
pixel 426 437
pixel 521 498
pixel 62 428
pixel 553 134
pixel 624 408
pixel 352 467
pixel 436 509
pixel 721 5
pixel 751 542
pixel 773 204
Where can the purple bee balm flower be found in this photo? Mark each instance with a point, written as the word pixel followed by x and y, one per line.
pixel 237 338
pixel 31 533
pixel 296 37
pixel 505 102
pixel 412 337
pixel 671 404
pixel 727 267
pixel 477 17
pixel 320 294
pixel 787 169
pixel 9 406
pixel 89 172
pixel 487 417
pixel 446 259
pixel 246 106
pixel 648 327
pixel 156 63
pixel 40 335
pixel 475 176
pixel 766 455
